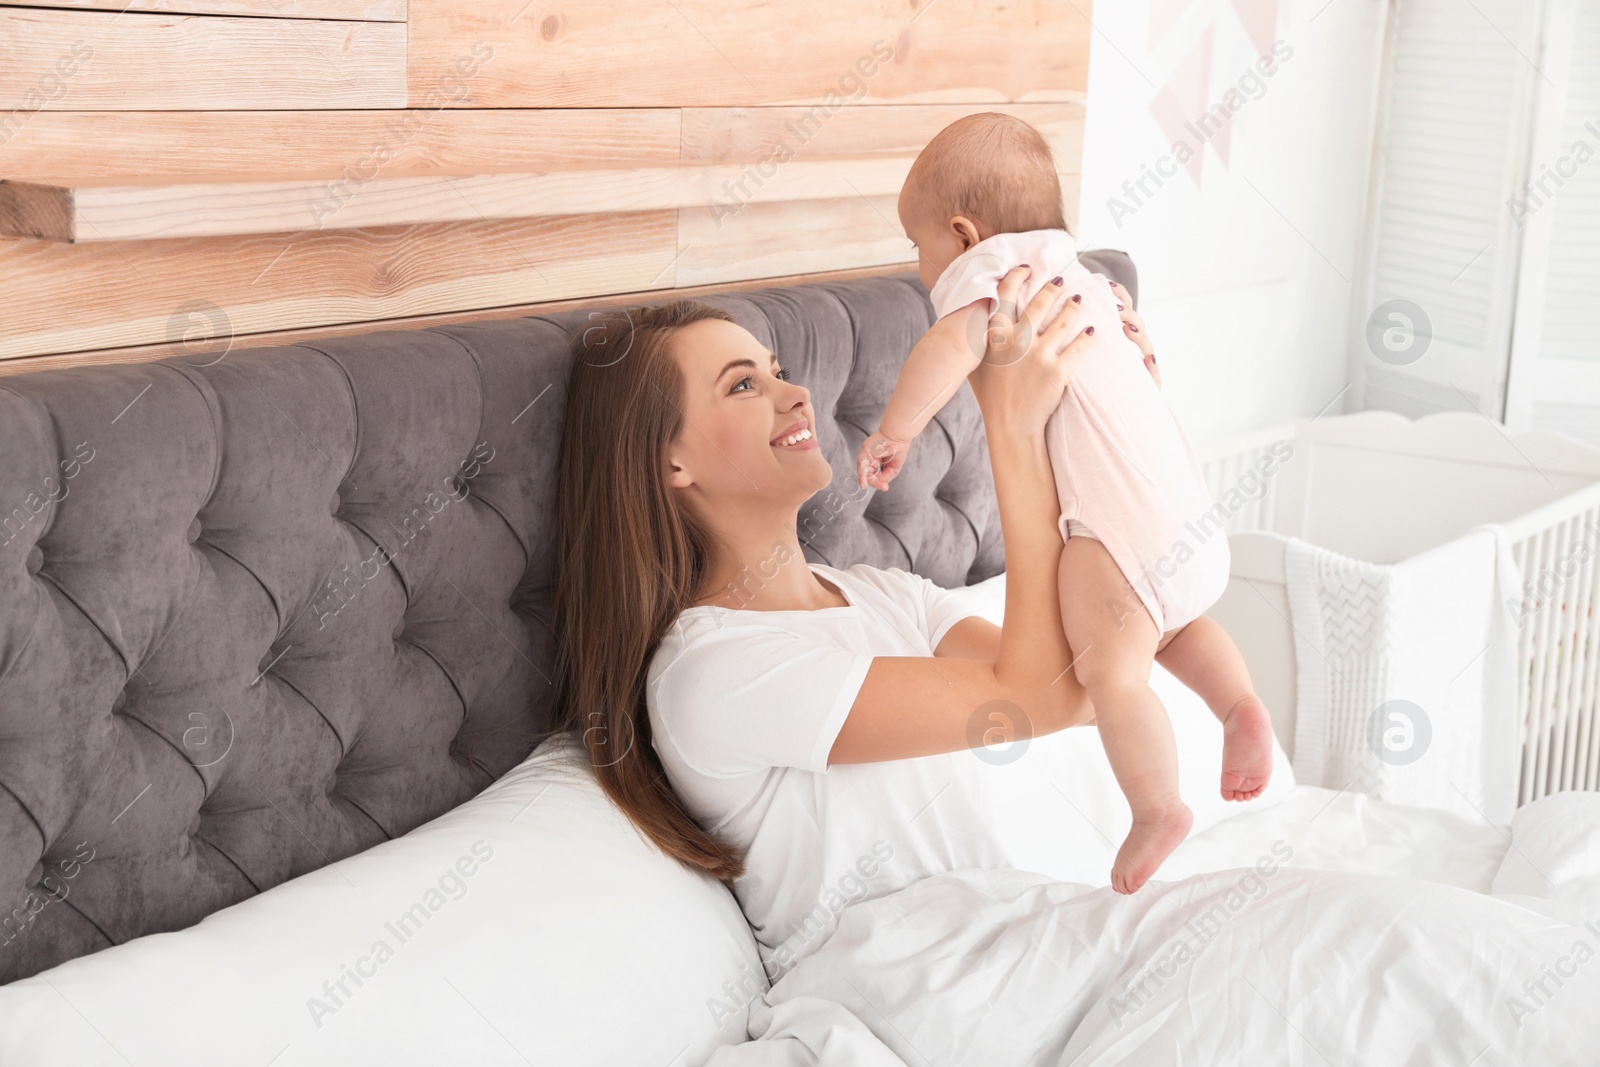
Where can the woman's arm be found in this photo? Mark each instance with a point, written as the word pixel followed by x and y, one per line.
pixel 974 637
pixel 916 706
pixel 978 638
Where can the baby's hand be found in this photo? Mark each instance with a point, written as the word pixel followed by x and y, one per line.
pixel 879 460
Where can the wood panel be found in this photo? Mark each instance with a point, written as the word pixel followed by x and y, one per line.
pixel 773 133
pixel 62 298
pixel 1071 193
pixel 96 60
pixel 768 240
pixel 89 213
pixel 196 345
pixel 357 10
pixel 269 283
pixel 704 53
pixel 99 145
pixel 653 129
pixel 95 145
pixel 757 133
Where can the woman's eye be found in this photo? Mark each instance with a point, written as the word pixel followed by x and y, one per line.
pixel 782 375
pixel 740 382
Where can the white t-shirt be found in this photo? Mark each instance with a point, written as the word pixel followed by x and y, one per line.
pixel 744 709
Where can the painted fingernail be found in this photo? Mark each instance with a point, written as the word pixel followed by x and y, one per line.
pixel 1132 327
pixel 1077 298
pixel 1056 280
pixel 1088 329
pixel 1022 264
pixel 1119 307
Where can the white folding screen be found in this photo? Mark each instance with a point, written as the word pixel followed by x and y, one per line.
pixel 1433 309
pixel 1555 355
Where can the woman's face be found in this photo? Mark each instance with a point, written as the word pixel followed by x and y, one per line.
pixel 737 447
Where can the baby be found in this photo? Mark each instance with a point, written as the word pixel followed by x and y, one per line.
pixel 1143 556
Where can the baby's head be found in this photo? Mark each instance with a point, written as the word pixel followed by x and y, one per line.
pixel 981 175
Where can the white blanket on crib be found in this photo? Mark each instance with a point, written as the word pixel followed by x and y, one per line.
pixel 1264 965
pixel 1407 675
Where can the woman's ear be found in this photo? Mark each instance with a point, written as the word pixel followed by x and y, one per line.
pixel 965 230
pixel 678 477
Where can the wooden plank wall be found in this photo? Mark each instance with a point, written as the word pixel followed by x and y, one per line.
pixel 346 91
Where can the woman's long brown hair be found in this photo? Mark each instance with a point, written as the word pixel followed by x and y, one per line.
pixel 630 557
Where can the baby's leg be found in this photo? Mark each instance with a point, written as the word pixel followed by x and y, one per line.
pixel 1203 657
pixel 1113 647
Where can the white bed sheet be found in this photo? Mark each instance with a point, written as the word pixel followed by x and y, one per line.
pixel 1280 963
pixel 1321 927
pixel 1347 831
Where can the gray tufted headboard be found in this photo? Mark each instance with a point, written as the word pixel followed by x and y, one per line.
pixel 263 611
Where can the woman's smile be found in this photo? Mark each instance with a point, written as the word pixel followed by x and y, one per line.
pixel 796 438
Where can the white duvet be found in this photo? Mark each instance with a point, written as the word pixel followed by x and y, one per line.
pixel 1269 963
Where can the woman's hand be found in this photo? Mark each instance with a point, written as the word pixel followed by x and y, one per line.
pixel 903 709
pixel 1028 357
pixel 1133 329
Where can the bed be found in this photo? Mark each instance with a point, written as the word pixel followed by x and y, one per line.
pixel 264 800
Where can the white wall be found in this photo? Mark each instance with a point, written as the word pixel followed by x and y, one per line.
pixel 1245 277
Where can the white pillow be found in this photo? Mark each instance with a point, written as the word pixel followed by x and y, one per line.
pixel 570 941
pixel 1058 808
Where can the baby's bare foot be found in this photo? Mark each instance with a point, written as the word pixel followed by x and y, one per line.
pixel 1246 750
pixel 1149 843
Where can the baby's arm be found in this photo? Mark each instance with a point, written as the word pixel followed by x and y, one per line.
pixel 937 366
pixel 934 370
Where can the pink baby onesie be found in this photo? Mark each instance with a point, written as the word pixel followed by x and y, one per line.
pixel 1125 472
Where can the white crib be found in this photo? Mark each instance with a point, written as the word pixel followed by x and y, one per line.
pixel 1379 487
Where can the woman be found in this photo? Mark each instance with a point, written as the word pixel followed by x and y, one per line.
pixel 800 735
pixel 813 752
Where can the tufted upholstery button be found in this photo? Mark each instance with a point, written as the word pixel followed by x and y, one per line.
pixel 35 560
pixel 36 875
pixel 194 825
pixel 266 661
pixel 399 627
pixel 333 505
pixel 194 531
pixel 119 702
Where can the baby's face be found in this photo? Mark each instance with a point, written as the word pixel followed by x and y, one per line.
pixel 937 244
